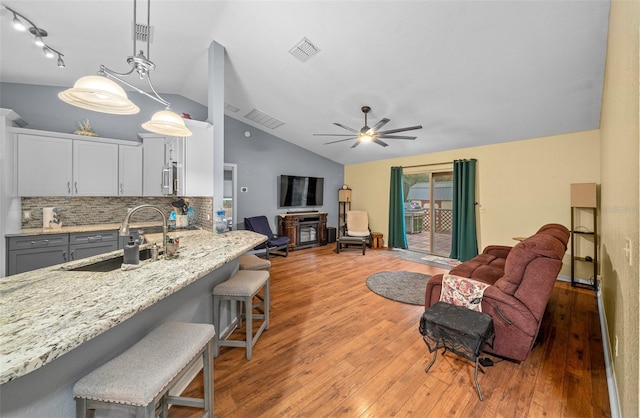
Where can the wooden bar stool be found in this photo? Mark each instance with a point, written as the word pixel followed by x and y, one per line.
pixel 241 288
pixel 139 380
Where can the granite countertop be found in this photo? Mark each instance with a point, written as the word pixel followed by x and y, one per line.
pixel 47 312
pixel 79 228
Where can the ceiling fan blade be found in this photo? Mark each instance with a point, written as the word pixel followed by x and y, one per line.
pixel 380 124
pixel 340 140
pixel 356 144
pixel 332 134
pixel 393 131
pixel 355 131
pixel 397 136
pixel 377 141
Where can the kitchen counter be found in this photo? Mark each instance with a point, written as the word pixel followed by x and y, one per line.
pixel 80 228
pixel 48 312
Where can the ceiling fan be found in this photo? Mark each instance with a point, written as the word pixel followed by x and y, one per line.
pixel 367 134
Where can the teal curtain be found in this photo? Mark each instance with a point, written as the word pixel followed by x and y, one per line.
pixel 397 230
pixel 464 242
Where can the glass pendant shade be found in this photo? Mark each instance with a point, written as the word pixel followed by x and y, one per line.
pixel 99 94
pixel 166 122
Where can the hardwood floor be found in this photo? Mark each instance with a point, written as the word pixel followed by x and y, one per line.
pixel 334 348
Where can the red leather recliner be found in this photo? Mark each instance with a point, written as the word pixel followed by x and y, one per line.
pixel 521 279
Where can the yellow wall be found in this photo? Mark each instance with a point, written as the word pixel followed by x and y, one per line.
pixel 521 185
pixel 620 199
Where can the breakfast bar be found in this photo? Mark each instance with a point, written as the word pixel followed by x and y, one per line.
pixel 59 323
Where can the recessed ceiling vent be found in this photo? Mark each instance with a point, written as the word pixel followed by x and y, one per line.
pixel 142 33
pixel 304 50
pixel 230 107
pixel 263 119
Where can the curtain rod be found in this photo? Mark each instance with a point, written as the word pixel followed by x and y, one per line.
pixel 426 165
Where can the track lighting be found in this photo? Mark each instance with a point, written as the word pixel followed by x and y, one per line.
pixel 100 94
pixel 38 35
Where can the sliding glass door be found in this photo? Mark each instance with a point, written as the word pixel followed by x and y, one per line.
pixel 428 208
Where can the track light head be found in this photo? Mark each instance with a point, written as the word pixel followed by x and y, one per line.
pixel 18 24
pixel 48 52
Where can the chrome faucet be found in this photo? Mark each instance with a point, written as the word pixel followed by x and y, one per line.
pixel 124 228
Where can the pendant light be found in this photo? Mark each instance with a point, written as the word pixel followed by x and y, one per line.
pixel 101 94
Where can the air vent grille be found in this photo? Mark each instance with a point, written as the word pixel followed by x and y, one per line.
pixel 304 50
pixel 230 107
pixel 143 33
pixel 263 119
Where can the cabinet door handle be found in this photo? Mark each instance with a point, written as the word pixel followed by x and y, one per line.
pixel 76 185
pixel 64 256
pixel 73 255
pixel 69 187
pixel 121 188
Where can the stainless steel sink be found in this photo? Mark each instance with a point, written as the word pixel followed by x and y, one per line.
pixel 110 264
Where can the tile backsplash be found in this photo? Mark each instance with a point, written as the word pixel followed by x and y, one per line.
pixel 74 211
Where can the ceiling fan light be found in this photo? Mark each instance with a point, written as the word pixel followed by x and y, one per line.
pixel 99 94
pixel 166 122
pixel 61 62
pixel 366 138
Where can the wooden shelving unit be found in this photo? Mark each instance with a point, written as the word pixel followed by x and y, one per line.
pixel 583 201
pixel 344 205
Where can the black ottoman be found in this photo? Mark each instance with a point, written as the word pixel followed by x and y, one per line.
pixel 457 329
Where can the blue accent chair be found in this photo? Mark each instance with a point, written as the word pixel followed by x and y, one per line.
pixel 260 225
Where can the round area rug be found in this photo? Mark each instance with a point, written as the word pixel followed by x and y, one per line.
pixel 402 286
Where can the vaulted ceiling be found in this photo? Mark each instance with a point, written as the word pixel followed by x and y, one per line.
pixel 469 72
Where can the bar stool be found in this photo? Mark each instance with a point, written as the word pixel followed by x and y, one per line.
pixel 253 262
pixel 139 380
pixel 241 288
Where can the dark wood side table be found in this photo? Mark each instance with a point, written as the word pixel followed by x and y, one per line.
pixel 457 329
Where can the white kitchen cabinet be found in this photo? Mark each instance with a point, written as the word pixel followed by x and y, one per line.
pixel 153 160
pixel 58 164
pixel 129 170
pixel 187 161
pixel 95 169
pixel 44 165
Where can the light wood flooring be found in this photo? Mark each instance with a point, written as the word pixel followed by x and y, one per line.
pixel 334 348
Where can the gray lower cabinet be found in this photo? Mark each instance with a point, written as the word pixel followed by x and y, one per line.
pixel 87 244
pixel 34 252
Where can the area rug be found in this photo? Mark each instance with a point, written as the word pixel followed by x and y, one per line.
pixel 416 257
pixel 402 286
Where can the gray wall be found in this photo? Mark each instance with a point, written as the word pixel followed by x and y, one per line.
pixel 40 107
pixel 262 158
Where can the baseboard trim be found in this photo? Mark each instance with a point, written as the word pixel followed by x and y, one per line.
pixel 614 400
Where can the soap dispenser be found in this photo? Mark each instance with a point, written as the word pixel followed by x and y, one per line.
pixel 131 252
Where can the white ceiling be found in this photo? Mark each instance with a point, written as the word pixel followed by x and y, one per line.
pixel 472 72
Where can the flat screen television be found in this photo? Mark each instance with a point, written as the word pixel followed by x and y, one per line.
pixel 300 191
